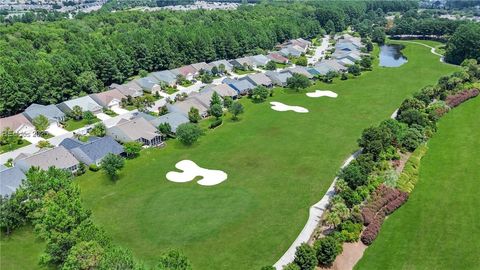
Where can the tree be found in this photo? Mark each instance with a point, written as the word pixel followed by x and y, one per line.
pixel 354 70
pixel 378 35
pixel 366 62
pixel 215 99
pixel 214 70
pixel 301 61
pixel 143 73
pixel 353 176
pixel 271 65
pixel 412 116
pixel 162 110
pixel 328 78
pixel 206 78
pixel 88 82
pixel 327 249
pixel 332 219
pixel 118 258
pixel 99 130
pixel 259 93
pixel 89 117
pixel 305 257
pixel 221 68
pixel 165 129
pixel 188 133
pixel 112 164
pixel 330 27
pixel 41 124
pixel 298 81
pixel 412 139
pixel 10 138
pixel 227 102
pixel 84 255
pixel 464 44
pixel 12 216
pixel 174 260
pixel 235 110
pixel 132 149
pixel 77 112
pixel 194 115
pixel 291 266
pixel 216 110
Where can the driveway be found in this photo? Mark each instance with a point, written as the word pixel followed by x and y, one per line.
pixel 33 139
pixel 118 110
pixel 56 130
pixel 319 51
pixel 102 116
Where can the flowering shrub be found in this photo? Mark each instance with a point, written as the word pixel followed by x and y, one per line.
pixel 457 99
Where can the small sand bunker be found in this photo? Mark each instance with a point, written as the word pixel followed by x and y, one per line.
pixel 278 106
pixel 191 170
pixel 322 93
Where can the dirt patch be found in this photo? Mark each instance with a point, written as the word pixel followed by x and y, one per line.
pixel 399 164
pixel 352 253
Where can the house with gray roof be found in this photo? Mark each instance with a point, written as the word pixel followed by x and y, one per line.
pixel 291 51
pixel 135 130
pixel 225 63
pixel 149 84
pixel 201 66
pixel 259 60
pixel 109 99
pixel 241 86
pixel 17 123
pixel 128 89
pixel 242 62
pixel 185 106
pixel 334 65
pixel 52 112
pixel 174 119
pixel 94 150
pixel 188 71
pixel 278 78
pixel 300 70
pixel 86 103
pixel 10 180
pixel 258 79
pixel 224 90
pixel 57 157
pixel 165 76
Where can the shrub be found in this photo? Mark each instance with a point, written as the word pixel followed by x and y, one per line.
pixel 93 168
pixel 412 139
pixel 327 249
pixel 291 266
pixel 457 99
pixel 216 123
pixel 437 110
pixel 305 257
pixel 353 175
pixel 370 233
pixel 259 94
pixel 413 116
pixel 350 197
pixel 350 231
pixel 188 133
pixel 409 176
pixel 411 103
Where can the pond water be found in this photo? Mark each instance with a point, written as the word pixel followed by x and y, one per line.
pixel 391 56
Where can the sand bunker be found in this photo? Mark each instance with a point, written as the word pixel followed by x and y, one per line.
pixel 192 170
pixel 278 106
pixel 321 93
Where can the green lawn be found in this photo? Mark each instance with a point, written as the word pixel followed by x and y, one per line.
pixel 8 148
pixel 242 72
pixel 171 90
pixel 15 247
pixel 72 125
pixel 278 165
pixel 438 227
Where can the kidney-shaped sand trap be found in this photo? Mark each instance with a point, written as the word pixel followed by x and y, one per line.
pixel 278 106
pixel 322 93
pixel 191 170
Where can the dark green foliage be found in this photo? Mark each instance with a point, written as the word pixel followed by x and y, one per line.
pixel 327 249
pixel 353 175
pixel 305 257
pixel 260 94
pixel 271 65
pixel 354 70
pixel 188 133
pixel 374 140
pixel 93 168
pixel 216 123
pixel 215 99
pixel 351 197
pixel 378 35
pixel 412 139
pixel 194 115
pixel 298 81
pixel 132 149
pixel 227 102
pixel 301 61
pixel 235 110
pixel 165 128
pixel 464 44
pixel 268 267
pixel 112 164
pixel 291 266
pixel 162 110
pixel 174 260
pixel 413 116
pixel 411 103
pixel 99 130
pixel 216 110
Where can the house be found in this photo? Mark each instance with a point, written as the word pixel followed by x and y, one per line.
pixel 51 112
pixel 277 58
pixel 242 62
pixel 10 180
pixel 201 66
pixel 224 90
pixel 86 103
pixel 346 62
pixel 149 84
pixel 299 43
pixel 346 47
pixel 259 60
pixel 58 157
pixel 129 89
pixel 165 76
pixel 93 151
pixel 258 79
pixel 174 119
pixel 300 70
pixel 334 65
pixel 227 66
pixel 314 72
pixel 185 106
pixel 109 99
pixel 291 51
pixel 135 130
pixel 186 71
pixel 352 56
pixel 19 124
pixel 241 86
pixel 278 78
pixel 204 96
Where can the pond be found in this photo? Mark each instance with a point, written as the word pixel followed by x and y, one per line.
pixel 391 56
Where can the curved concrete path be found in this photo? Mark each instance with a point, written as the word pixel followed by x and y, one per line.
pixel 432 49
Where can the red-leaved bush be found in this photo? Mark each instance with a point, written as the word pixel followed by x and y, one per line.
pixel 384 201
pixel 459 98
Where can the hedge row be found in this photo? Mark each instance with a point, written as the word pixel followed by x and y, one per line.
pixel 409 176
pixel 460 97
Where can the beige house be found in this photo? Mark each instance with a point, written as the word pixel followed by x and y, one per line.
pixel 135 130
pixel 19 124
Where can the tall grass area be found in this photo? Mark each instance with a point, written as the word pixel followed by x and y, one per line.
pixel 438 227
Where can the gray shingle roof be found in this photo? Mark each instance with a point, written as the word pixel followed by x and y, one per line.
pixel 96 150
pixel 10 180
pixel 173 118
pixel 53 113
pixel 86 103
pixel 58 157
pixel 165 76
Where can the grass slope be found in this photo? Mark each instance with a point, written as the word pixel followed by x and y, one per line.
pixel 438 227
pixel 278 165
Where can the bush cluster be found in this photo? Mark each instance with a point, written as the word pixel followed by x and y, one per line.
pixel 216 123
pixel 458 98
pixel 409 176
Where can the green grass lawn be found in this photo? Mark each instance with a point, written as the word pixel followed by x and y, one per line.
pixel 242 72
pixel 16 246
pixel 278 165
pixel 171 90
pixel 8 148
pixel 72 125
pixel 438 227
